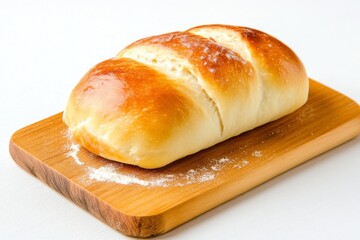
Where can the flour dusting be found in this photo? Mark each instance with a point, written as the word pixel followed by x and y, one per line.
pixel 207 177
pixel 257 154
pixel 241 164
pixel 73 148
pixel 217 165
pixel 113 172
pixel 109 173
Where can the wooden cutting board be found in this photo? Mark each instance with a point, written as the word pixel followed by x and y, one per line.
pixel 143 203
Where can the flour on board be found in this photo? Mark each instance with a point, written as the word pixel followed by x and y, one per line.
pixel 112 172
pixel 73 148
pixel 257 154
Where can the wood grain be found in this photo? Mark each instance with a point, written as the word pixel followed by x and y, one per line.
pixel 164 198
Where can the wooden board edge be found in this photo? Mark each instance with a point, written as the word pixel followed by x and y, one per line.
pixel 135 226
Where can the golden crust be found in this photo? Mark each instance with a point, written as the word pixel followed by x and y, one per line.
pixel 223 74
pixel 273 55
pixel 118 88
pixel 168 96
pixel 218 65
pixel 121 107
pixel 282 75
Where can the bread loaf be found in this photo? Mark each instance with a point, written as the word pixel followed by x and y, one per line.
pixel 168 96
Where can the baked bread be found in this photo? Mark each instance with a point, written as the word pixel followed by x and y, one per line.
pixel 168 96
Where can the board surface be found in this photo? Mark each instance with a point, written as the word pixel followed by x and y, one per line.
pixel 143 203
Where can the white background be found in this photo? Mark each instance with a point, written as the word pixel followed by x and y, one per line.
pixel 46 47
